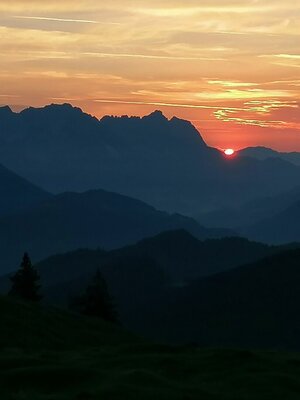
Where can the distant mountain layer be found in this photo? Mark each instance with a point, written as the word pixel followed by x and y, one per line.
pixel 180 255
pixel 163 162
pixel 262 153
pixel 18 194
pixel 87 220
pixel 252 212
pixel 281 228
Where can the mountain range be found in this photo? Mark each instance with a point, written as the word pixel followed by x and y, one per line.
pixel 165 163
pixel 173 278
pixel 86 220
pixel 280 228
pixel 262 153
pixel 18 194
pixel 251 212
pixel 181 256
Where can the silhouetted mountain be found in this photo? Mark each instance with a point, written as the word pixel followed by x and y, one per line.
pixel 5 112
pixel 262 153
pixel 183 257
pixel 281 228
pixel 252 306
pixel 252 212
pixel 179 254
pixel 160 161
pixel 92 219
pixel 17 193
pixel 139 276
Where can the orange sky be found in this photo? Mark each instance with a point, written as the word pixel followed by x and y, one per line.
pixel 231 67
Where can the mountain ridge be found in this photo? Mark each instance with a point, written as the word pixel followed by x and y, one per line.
pixel 262 153
pixel 280 228
pixel 17 193
pixel 61 148
pixel 91 219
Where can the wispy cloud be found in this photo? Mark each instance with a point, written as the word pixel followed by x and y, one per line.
pixel 284 56
pixel 231 84
pixel 289 56
pixel 9 95
pixel 81 21
pixel 256 107
pixel 161 104
pixel 235 94
pixel 152 103
pixel 152 56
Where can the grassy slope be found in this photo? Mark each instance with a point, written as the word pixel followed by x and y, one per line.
pixel 47 354
pixel 33 326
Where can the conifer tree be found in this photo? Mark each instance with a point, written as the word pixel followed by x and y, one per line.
pixel 25 281
pixel 96 300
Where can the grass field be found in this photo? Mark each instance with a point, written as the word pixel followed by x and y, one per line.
pixel 50 355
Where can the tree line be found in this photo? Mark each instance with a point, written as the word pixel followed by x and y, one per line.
pixel 95 301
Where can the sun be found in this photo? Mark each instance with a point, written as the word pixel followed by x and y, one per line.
pixel 229 152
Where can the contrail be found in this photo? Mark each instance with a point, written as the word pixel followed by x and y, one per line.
pixel 149 103
pixel 81 21
pixel 9 95
pixel 151 56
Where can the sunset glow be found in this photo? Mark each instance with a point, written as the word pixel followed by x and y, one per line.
pixel 229 152
pixel 231 67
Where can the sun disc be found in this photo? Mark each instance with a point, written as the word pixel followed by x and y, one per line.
pixel 229 152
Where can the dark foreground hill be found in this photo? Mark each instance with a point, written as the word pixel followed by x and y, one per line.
pixel 17 193
pixel 46 354
pixel 257 305
pixel 30 326
pixel 87 220
pixel 146 278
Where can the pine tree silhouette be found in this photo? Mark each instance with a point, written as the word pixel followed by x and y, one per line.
pixel 96 300
pixel 25 281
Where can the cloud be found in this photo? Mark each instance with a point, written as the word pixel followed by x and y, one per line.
pixel 284 56
pixel 152 56
pixel 156 104
pixel 81 21
pixel 231 62
pixel 288 56
pixel 264 108
pixel 235 94
pixel 232 84
pixel 9 95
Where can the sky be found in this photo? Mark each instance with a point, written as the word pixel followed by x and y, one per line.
pixel 230 67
